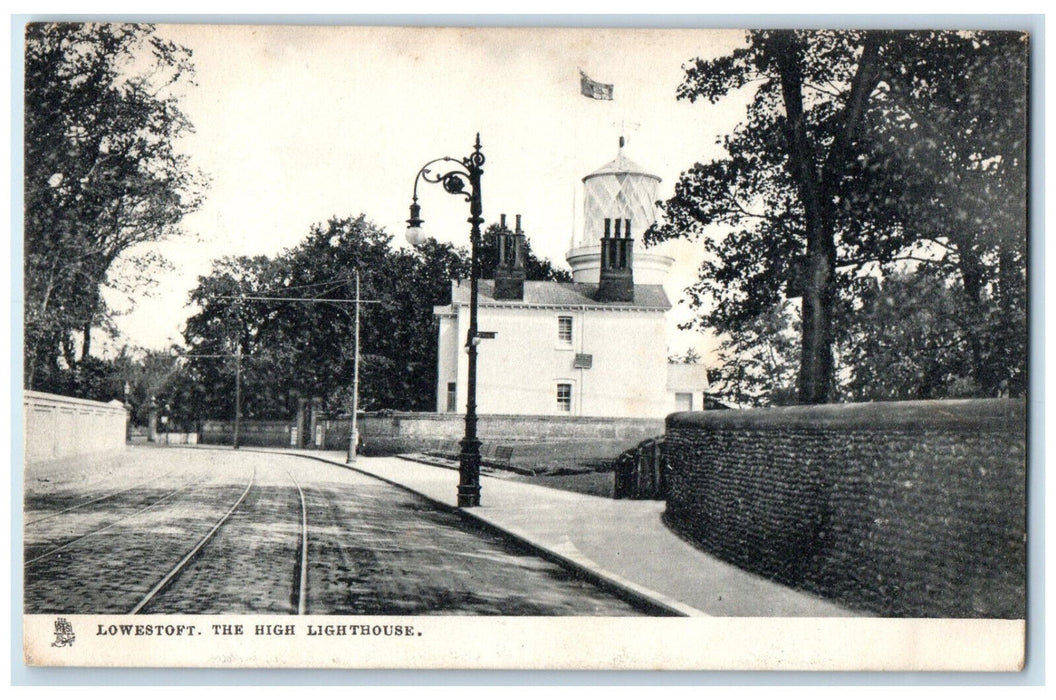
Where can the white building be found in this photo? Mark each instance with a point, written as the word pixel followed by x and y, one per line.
pixel 595 346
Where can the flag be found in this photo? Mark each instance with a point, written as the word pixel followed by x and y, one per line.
pixel 593 89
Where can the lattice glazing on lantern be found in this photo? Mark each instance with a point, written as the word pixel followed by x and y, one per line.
pixel 619 190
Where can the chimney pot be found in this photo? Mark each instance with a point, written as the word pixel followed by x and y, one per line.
pixel 510 272
pixel 616 278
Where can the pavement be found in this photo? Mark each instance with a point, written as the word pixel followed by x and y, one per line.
pixel 621 544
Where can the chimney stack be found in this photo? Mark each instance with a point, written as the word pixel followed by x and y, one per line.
pixel 509 268
pixel 616 279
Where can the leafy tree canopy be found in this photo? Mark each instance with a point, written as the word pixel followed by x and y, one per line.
pixel 908 341
pixel 101 175
pixel 859 151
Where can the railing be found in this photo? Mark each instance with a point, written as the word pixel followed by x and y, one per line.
pixel 641 473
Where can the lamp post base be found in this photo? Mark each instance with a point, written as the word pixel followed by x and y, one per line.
pixel 469 474
pixel 470 498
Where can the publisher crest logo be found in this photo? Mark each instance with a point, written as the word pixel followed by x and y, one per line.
pixel 64 635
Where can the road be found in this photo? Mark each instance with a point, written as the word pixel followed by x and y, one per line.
pixel 203 531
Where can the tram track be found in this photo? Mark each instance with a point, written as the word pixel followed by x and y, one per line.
pixel 110 566
pixel 70 543
pixel 92 501
pixel 168 578
pixel 302 577
pixel 269 537
pixel 226 549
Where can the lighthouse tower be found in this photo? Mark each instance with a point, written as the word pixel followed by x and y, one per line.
pixel 618 195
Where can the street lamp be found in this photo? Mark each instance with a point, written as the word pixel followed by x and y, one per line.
pixel 454 182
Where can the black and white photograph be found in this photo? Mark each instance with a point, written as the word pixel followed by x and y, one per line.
pixel 523 347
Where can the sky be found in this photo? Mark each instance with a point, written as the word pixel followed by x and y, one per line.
pixel 294 125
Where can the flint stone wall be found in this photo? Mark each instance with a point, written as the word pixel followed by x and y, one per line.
pixel 902 509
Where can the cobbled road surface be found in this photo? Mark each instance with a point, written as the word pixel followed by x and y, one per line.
pixel 109 535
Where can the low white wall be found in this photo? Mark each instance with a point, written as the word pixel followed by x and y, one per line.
pixel 61 426
pixel 177 439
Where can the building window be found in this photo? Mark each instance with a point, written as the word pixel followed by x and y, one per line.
pixel 564 330
pixel 564 398
pixel 452 404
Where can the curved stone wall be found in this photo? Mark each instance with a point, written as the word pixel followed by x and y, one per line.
pixel 902 509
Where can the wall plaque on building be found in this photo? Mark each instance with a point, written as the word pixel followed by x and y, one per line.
pixel 582 361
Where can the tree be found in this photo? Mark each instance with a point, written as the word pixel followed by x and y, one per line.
pixel 787 166
pixel 951 153
pixel 293 348
pixel 226 325
pixel 906 341
pixel 691 357
pixel 397 336
pixel 159 380
pixel 101 175
pixel 808 190
pixel 757 361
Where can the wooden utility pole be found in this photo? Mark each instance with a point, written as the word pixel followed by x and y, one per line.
pixel 353 436
pixel 238 393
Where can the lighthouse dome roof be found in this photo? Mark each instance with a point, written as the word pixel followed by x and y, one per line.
pixel 621 165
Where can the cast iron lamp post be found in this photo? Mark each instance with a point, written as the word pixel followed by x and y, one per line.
pixel 453 178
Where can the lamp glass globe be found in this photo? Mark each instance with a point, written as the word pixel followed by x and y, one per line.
pixel 415 236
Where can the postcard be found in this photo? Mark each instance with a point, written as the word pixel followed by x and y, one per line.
pixel 524 348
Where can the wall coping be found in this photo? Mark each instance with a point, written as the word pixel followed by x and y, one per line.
pixel 428 415
pixel 531 418
pixel 42 397
pixel 996 414
pixel 459 417
pixel 212 422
